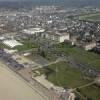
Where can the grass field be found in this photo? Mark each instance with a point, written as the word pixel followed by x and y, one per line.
pixel 62 74
pixel 83 56
pixel 91 17
pixel 27 45
pixel 92 92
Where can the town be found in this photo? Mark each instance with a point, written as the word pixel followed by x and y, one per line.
pixel 55 49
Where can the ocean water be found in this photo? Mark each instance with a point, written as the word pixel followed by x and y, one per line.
pixel 66 3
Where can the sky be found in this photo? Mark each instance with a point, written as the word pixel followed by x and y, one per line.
pixel 15 0
pixel 10 0
pixel 41 0
pixel 34 0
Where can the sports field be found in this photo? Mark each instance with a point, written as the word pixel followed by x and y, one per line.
pixel 90 17
pixel 94 93
pixel 62 74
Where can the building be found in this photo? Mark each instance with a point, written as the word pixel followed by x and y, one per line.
pixel 56 36
pixel 33 31
pixel 97 48
pixel 89 46
pixel 71 96
pixel 12 43
pixel 68 95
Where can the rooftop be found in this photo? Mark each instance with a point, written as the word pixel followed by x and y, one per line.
pixel 33 30
pixel 12 43
pixel 59 33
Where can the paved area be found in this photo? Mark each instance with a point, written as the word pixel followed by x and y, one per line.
pixel 40 60
pixel 12 87
pixel 41 79
pixel 24 61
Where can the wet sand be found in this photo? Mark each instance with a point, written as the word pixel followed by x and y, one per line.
pixel 14 88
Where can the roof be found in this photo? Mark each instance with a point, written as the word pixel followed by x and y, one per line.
pixel 61 33
pixel 58 33
pixel 33 30
pixel 12 43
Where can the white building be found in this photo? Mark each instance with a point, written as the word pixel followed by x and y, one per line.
pixel 57 36
pixel 89 46
pixel 33 31
pixel 12 43
pixel 71 96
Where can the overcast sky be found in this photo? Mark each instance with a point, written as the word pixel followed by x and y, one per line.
pixel 65 1
pixel 13 0
pixel 47 0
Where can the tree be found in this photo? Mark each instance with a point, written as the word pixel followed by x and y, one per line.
pixel 89 98
pixel 77 98
pixel 43 54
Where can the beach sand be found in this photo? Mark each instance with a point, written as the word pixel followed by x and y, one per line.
pixel 14 88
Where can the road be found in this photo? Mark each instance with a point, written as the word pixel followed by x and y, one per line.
pixel 12 87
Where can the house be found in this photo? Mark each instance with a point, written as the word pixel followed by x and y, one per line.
pixel 97 48
pixel 89 46
pixel 33 31
pixel 56 36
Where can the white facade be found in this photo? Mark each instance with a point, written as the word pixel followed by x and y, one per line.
pixel 59 37
pixel 63 38
pixel 90 46
pixel 71 96
pixel 33 31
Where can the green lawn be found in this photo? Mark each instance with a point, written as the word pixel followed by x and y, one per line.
pixel 62 74
pixel 27 45
pixel 92 92
pixel 91 17
pixel 95 17
pixel 81 55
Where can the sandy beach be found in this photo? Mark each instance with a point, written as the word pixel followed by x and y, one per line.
pixel 13 88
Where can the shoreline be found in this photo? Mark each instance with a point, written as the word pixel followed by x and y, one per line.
pixel 15 87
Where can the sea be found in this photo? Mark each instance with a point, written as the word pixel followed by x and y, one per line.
pixel 66 3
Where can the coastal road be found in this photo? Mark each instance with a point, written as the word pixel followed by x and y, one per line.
pixel 12 87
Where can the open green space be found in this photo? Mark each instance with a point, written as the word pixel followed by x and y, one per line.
pixel 91 17
pixel 80 55
pixel 92 92
pixel 62 74
pixel 27 45
pixel 94 17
